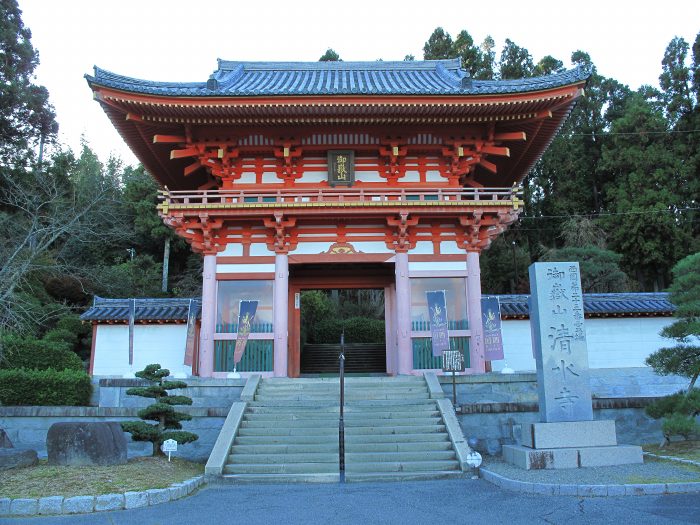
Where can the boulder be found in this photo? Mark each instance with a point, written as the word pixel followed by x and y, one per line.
pixel 86 444
pixel 17 458
pixel 4 439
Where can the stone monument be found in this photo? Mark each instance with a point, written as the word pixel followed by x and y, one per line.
pixel 568 436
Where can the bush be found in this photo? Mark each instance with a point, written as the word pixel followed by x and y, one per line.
pixel 61 335
pixel 357 330
pixel 45 387
pixel 37 354
pixel 679 425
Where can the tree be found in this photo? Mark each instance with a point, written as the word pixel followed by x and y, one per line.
pixel 26 117
pixel 330 56
pixel 516 61
pixel 439 46
pixel 600 268
pixel 683 359
pixel 167 420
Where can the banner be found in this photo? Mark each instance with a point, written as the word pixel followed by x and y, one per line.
pixel 493 339
pixel 246 315
pixel 191 328
pixel 438 321
pixel 132 320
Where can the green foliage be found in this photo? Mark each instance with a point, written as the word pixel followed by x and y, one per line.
pixel 26 115
pixel 600 269
pixel 45 387
pixel 330 56
pixel 40 354
pixel 357 330
pixel 683 359
pixel 167 420
pixel 679 425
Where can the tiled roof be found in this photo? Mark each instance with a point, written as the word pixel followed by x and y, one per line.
pixel 429 77
pixel 600 304
pixel 147 309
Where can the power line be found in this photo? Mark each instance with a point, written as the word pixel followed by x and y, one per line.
pixel 633 133
pixel 607 214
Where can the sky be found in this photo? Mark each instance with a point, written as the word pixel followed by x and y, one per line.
pixel 180 40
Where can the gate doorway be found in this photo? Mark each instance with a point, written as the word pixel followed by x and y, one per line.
pixel 326 299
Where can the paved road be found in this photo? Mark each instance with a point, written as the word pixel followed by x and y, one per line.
pixel 432 502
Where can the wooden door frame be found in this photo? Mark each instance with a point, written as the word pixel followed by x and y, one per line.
pixel 353 279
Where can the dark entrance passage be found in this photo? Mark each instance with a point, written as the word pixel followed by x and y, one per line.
pixel 358 313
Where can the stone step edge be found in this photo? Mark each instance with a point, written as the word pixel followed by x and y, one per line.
pixel 53 505
pixel 588 491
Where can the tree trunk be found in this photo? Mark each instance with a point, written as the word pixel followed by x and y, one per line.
pixel 166 263
pixel 692 383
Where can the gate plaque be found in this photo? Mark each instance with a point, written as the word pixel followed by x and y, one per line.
pixel 341 168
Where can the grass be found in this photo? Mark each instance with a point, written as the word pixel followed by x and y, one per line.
pixel 138 474
pixel 678 449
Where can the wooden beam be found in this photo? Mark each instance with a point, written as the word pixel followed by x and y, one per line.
pixel 189 170
pixel 544 114
pixel 134 117
pixel 182 153
pixel 168 139
pixel 489 166
pixel 511 135
pixel 496 150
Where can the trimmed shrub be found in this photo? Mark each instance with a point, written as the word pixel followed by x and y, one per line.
pixel 45 387
pixel 357 330
pixel 679 411
pixel 38 354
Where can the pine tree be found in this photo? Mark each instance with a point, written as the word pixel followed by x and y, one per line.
pixel 167 420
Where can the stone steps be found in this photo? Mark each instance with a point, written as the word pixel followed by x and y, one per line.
pixel 289 432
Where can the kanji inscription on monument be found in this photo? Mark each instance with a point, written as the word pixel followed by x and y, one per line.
pixel 559 342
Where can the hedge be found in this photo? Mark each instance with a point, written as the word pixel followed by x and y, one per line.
pixel 45 387
pixel 357 330
pixel 38 354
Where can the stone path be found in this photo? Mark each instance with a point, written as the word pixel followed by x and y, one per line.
pixel 439 501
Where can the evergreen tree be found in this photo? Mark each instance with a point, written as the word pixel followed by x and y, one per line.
pixel 167 420
pixel 26 117
pixel 516 61
pixel 330 56
pixel 439 46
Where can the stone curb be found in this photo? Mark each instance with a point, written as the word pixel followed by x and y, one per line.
pixel 673 458
pixel 588 491
pixel 104 502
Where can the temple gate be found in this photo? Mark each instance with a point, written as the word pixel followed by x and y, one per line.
pixel 391 175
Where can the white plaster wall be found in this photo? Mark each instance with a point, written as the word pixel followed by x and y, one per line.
pixel 260 249
pixel 612 342
pixel 414 266
pixel 162 344
pixel 245 268
pixel 451 248
pixel 370 247
pixel 232 250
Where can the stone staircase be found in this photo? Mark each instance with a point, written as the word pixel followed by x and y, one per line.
pixel 289 432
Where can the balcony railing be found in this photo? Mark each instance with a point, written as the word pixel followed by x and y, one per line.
pixel 292 198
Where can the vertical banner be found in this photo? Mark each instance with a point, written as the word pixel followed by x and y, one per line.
pixel 438 321
pixel 246 315
pixel 189 340
pixel 132 320
pixel 493 338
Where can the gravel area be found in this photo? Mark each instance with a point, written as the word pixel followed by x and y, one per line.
pixel 647 472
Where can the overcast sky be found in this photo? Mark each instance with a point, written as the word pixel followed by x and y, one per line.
pixel 181 40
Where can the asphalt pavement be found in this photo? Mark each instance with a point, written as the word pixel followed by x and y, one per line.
pixel 419 502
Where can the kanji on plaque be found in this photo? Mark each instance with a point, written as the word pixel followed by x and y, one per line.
pixel 341 167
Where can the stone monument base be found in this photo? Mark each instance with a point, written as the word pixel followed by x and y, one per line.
pixel 571 444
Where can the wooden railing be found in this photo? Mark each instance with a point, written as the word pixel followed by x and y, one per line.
pixel 220 198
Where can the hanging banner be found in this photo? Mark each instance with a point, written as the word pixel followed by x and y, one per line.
pixel 438 321
pixel 246 315
pixel 189 340
pixel 493 339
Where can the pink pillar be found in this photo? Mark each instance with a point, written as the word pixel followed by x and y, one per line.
pixel 476 343
pixel 280 308
pixel 208 326
pixel 403 315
